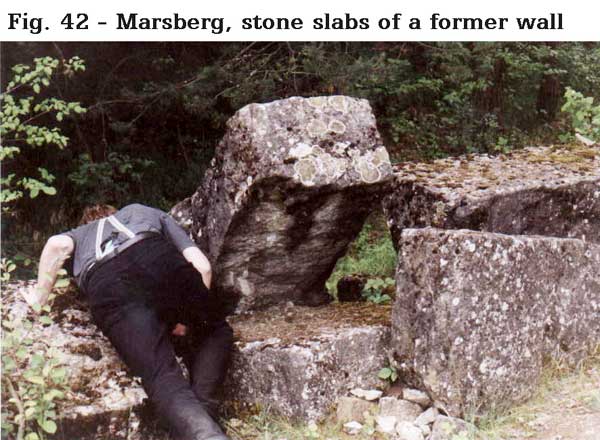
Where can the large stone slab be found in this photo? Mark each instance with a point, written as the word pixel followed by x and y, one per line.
pixel 477 313
pixel 299 361
pixel 289 188
pixel 536 191
pixel 293 360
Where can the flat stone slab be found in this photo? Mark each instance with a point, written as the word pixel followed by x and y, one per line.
pixel 535 191
pixel 477 313
pixel 294 360
pixel 299 361
pixel 290 186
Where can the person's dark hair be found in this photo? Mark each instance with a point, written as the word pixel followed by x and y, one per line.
pixel 94 212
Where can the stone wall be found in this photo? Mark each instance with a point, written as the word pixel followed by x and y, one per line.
pixel 477 313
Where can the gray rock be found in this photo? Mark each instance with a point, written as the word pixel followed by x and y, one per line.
pixel 476 313
pixel 408 431
pixel 300 368
pixel 385 424
pixel 535 191
pixel 353 427
pixel 416 396
pixel 353 408
pixel 369 395
pixel 292 180
pixel 427 417
pixel 403 410
pixel 448 428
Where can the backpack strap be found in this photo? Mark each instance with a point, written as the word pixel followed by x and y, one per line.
pixel 120 226
pixel 99 233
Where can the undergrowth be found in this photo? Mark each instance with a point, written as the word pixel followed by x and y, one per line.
pixel 371 254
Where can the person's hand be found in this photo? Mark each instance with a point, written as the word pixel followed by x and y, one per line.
pixel 32 295
pixel 179 330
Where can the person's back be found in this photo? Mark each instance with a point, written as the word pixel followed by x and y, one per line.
pixel 142 277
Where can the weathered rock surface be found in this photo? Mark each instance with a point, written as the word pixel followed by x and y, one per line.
pixel 300 367
pixel 353 408
pixel 104 401
pixel 535 191
pixel 450 428
pixel 295 362
pixel 289 188
pixel 476 313
pixel 402 410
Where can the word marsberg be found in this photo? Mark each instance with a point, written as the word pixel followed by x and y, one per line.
pixel 133 21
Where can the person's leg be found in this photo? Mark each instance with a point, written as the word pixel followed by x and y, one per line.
pixel 207 354
pixel 206 349
pixel 142 341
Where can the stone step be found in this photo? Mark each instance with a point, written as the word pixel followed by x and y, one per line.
pixel 535 191
pixel 299 360
pixel 293 360
pixel 477 313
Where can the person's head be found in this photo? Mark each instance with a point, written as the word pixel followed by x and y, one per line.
pixel 95 212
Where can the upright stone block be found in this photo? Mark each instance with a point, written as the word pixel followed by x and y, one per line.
pixel 477 313
pixel 536 191
pixel 289 188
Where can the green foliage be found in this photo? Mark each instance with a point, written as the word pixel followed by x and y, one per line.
pixel 388 373
pixel 33 377
pixel 585 117
pixel 21 109
pixel 113 179
pixel 371 254
pixel 375 288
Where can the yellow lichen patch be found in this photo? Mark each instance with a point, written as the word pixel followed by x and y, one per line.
pixel 339 103
pixel 317 101
pixel 337 126
pixel 367 171
pixel 306 170
pixel 316 127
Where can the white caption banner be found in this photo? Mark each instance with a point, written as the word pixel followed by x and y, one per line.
pixel 307 20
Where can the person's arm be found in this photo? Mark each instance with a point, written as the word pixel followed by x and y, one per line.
pixel 186 246
pixel 195 256
pixel 58 248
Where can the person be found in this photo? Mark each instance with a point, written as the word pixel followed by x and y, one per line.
pixel 147 283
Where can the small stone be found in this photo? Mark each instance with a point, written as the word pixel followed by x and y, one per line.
pixel 416 396
pixel 427 417
pixel 352 428
pixel 353 408
pixel 448 428
pixel 367 394
pixel 403 410
pixel 408 431
pixel 426 430
pixel 386 424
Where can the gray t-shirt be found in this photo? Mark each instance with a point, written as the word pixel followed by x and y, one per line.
pixel 137 218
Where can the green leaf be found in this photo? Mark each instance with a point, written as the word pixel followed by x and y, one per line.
pixel 385 373
pixel 49 426
pixel 32 436
pixel 46 320
pixel 58 373
pixel 38 380
pixel 37 308
pixel 63 282
pixel 36 88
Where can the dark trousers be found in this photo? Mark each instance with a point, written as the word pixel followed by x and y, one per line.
pixel 136 298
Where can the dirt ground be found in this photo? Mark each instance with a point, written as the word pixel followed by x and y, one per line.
pixel 567 407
